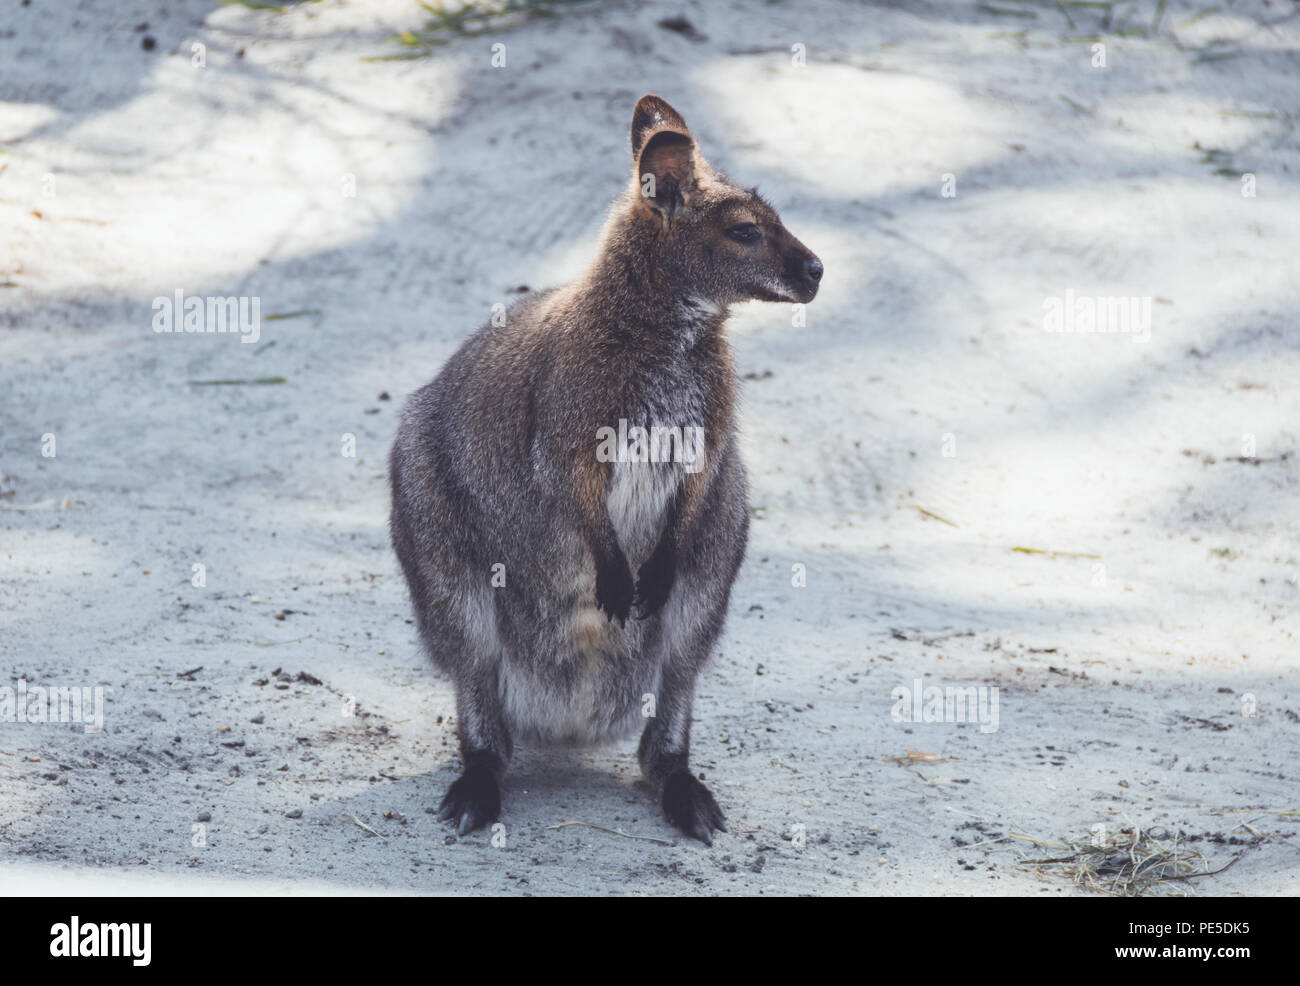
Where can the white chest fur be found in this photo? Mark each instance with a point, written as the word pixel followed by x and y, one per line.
pixel 638 501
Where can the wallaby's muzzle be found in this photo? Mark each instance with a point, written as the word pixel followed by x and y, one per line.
pixel 803 271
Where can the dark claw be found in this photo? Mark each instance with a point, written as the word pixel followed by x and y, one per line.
pixel 690 806
pixel 474 799
pixel 654 581
pixel 615 589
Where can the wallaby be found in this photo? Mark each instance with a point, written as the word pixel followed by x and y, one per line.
pixel 587 436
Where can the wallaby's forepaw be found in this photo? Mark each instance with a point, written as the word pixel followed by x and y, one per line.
pixel 615 588
pixel 690 806
pixel 472 801
pixel 654 581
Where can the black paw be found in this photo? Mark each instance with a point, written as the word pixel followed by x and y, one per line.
pixel 654 581
pixel 689 805
pixel 472 801
pixel 614 588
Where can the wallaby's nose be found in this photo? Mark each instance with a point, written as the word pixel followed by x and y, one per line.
pixel 803 272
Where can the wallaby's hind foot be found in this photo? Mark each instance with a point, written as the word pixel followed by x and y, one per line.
pixel 664 754
pixel 473 800
pixel 690 806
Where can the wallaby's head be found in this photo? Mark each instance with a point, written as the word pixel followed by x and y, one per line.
pixel 715 241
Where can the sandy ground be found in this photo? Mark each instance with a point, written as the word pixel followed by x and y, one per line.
pixel 314 740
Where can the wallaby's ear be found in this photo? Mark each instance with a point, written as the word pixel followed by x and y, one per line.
pixel 664 152
pixel 652 114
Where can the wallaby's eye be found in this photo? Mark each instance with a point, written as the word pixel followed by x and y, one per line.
pixel 745 233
